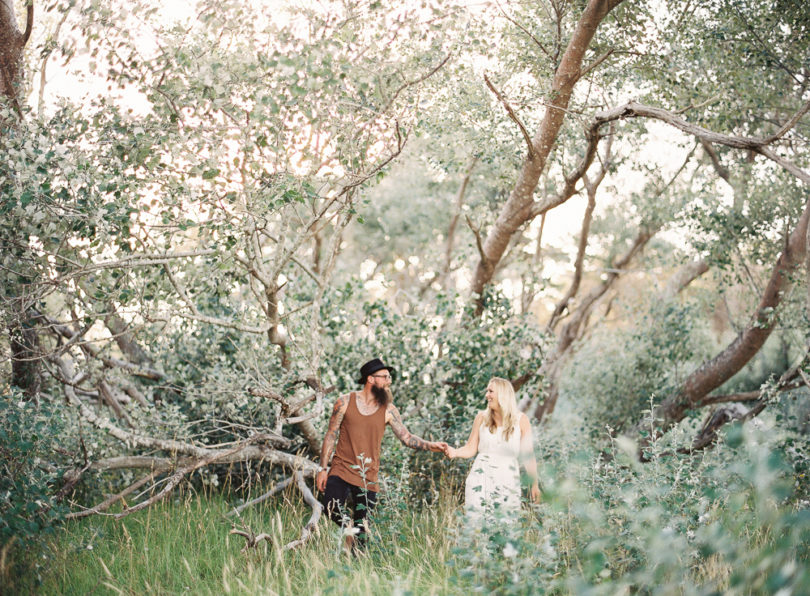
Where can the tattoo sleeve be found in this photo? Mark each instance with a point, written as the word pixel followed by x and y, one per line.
pixel 403 435
pixel 330 438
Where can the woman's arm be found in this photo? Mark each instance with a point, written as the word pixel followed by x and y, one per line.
pixel 527 455
pixel 471 448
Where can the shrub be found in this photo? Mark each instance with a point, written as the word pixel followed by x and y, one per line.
pixel 29 436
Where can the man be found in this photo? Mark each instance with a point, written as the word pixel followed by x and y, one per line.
pixel 355 435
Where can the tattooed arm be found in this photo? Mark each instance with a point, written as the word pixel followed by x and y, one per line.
pixel 393 418
pixel 330 439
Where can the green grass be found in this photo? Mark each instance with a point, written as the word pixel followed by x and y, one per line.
pixel 184 546
pixel 622 529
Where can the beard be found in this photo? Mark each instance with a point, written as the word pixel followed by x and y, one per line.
pixel 381 395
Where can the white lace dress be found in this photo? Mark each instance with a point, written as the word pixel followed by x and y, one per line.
pixel 493 484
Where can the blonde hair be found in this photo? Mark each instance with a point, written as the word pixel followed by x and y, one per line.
pixel 507 403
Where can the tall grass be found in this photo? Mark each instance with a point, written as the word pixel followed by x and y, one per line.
pixel 728 522
pixel 184 546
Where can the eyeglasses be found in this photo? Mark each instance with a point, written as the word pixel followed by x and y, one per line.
pixel 386 377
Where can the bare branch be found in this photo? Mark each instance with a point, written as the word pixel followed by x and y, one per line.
pixel 477 233
pixel 197 316
pixel 527 32
pixel 596 62
pixel 573 288
pixel 317 508
pixel 107 395
pixel 721 170
pixel 315 277
pixel 787 126
pixel 107 503
pixel 178 476
pixel 702 104
pixel 136 369
pixel 451 228
pixel 569 188
pixel 413 82
pixel 275 490
pixel 731 398
pixel 526 136
pixel 140 260
pixel 133 439
pixel 757 144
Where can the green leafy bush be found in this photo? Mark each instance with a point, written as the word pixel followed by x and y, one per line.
pixel 29 436
pixel 612 377
pixel 723 522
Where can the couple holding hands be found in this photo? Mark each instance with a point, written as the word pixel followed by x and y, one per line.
pixel 501 438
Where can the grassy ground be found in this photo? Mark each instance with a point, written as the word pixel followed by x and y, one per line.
pixel 184 546
pixel 653 529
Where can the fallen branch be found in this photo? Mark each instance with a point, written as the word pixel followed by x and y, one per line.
pixel 275 490
pixel 178 476
pixel 317 509
pixel 106 504
pixel 252 540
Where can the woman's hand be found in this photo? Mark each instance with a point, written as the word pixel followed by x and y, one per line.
pixel 450 452
pixel 535 493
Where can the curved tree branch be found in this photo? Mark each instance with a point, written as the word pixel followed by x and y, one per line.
pixel 526 136
pixel 757 144
pixel 716 371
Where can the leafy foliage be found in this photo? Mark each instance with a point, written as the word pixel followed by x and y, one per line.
pixel 30 436
pixel 613 376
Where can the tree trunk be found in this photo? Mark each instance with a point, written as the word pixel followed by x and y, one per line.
pixel 519 207
pixel 748 342
pixel 25 366
pixel 12 42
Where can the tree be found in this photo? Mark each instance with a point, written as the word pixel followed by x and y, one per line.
pixel 175 247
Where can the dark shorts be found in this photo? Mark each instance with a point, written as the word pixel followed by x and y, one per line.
pixel 345 502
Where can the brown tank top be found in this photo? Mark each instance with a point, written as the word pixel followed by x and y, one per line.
pixel 357 456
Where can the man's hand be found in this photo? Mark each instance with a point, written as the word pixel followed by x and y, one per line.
pixel 438 446
pixel 320 480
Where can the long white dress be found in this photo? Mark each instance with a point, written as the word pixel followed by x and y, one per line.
pixel 493 484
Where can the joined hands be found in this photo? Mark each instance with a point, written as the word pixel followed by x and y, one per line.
pixel 437 446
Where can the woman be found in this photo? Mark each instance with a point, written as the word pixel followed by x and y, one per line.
pixel 501 436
